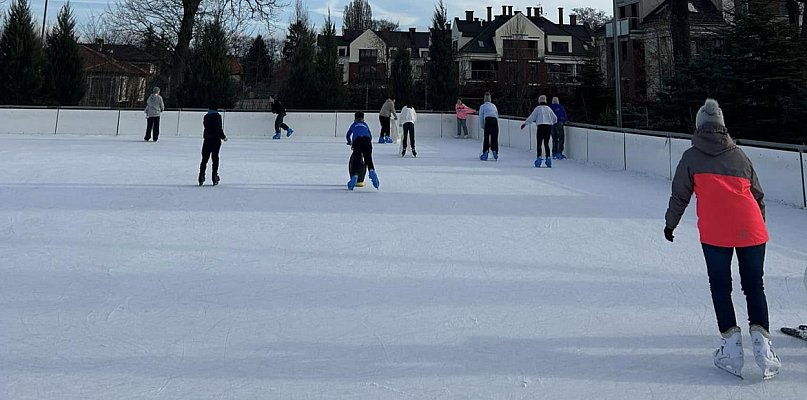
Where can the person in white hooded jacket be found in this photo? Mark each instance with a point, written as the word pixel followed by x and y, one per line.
pixel 407 119
pixel 545 118
pixel 154 107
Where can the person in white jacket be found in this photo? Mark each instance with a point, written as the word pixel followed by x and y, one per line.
pixel 154 107
pixel 545 118
pixel 407 119
pixel 489 122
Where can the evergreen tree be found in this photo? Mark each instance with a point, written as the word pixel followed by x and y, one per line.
pixel 442 66
pixel 258 66
pixel 21 57
pixel 591 96
pixel 207 76
pixel 299 51
pixel 64 68
pixel 401 76
pixel 332 92
pixel 358 16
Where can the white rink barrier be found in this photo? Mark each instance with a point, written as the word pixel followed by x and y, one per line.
pixel 782 172
pixel 70 121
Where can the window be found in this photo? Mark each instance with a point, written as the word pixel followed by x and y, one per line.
pixel 342 52
pixel 481 43
pixel 562 73
pixel 560 47
pixel 424 54
pixel 368 53
pixel 367 69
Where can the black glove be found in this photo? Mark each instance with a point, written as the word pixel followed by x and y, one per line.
pixel 668 234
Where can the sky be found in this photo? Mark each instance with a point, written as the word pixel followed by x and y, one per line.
pixel 415 14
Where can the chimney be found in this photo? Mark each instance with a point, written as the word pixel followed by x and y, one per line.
pixel 412 31
pixel 469 16
pixel 539 11
pixel 572 19
pixel 529 11
pixel 510 10
pixel 490 13
pixel 560 15
pixel 504 10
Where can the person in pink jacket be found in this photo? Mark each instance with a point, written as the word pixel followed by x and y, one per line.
pixel 463 112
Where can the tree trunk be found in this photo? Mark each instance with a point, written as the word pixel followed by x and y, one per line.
pixel 180 57
pixel 679 32
pixel 792 12
pixel 803 20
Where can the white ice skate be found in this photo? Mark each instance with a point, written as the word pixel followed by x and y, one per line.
pixel 729 356
pixel 766 359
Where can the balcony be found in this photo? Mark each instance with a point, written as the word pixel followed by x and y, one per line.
pixel 511 53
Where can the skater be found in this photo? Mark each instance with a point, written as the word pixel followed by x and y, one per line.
pixel 407 121
pixel 545 118
pixel 558 133
pixel 360 141
pixel 463 112
pixel 213 136
pixel 385 116
pixel 731 218
pixel 489 122
pixel 154 107
pixel 280 110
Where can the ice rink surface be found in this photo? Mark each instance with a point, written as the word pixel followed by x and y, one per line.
pixel 120 278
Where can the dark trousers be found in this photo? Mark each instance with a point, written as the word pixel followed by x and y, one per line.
pixel 152 124
pixel 491 141
pixel 210 149
pixel 279 123
pixel 542 136
pixel 558 138
pixel 718 264
pixel 385 125
pixel 362 150
pixel 409 130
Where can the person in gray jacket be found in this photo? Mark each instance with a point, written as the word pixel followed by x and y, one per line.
pixel 154 107
pixel 384 116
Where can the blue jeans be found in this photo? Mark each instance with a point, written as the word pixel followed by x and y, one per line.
pixel 718 264
pixel 462 126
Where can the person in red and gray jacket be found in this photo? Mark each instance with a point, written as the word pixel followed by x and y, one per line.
pixel 731 217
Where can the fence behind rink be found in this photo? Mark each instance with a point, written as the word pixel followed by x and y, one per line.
pixel 781 167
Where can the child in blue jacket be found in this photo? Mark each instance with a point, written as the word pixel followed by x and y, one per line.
pixel 361 141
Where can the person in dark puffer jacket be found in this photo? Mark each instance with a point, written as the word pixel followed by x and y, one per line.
pixel 731 217
pixel 213 135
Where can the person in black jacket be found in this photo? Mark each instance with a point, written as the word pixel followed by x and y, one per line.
pixel 213 136
pixel 280 110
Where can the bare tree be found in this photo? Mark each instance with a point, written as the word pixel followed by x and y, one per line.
pixel 358 16
pixel 97 27
pixel 176 19
pixel 593 17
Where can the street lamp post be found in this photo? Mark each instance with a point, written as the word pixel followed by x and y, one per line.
pixel 44 20
pixel 617 83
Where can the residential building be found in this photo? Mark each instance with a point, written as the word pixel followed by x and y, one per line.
pixel 117 75
pixel 519 47
pixel 645 43
pixel 365 56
